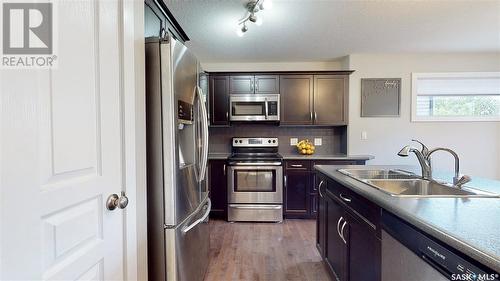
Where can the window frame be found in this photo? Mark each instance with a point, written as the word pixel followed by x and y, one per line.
pixel 415 76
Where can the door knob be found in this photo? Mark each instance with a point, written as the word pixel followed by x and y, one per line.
pixel 114 201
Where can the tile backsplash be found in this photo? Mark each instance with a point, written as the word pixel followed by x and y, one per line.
pixel 334 139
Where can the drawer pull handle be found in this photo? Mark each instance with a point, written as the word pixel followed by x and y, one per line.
pixel 346 199
pixel 296 165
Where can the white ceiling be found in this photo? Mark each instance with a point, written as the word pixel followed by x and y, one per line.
pixel 313 30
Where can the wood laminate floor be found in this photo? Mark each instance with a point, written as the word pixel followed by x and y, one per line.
pixel 264 251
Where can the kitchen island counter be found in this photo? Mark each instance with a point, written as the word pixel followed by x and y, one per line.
pixel 469 225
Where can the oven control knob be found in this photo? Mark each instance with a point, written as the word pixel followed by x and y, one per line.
pixel 274 141
pixel 241 141
pixel 269 141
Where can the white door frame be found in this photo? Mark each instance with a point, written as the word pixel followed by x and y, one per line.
pixel 135 139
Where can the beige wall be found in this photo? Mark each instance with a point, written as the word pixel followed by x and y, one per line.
pixel 477 143
pixel 273 66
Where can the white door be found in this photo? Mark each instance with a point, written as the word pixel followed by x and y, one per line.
pixel 62 154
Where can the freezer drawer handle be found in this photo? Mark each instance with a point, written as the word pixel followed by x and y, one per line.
pixel 198 221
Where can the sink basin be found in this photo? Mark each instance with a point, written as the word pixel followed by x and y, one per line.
pixel 401 183
pixel 424 188
pixel 378 174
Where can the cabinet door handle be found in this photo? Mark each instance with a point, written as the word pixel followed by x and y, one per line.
pixel 285 180
pixel 338 225
pixel 319 189
pixel 224 169
pixel 344 198
pixel 311 115
pixel 342 232
pixel 227 114
pixel 315 116
pixel 296 165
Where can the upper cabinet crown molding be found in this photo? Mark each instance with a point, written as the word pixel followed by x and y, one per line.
pixel 253 73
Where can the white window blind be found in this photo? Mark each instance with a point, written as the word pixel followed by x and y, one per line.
pixel 464 96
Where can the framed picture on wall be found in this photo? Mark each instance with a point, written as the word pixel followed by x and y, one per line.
pixel 380 97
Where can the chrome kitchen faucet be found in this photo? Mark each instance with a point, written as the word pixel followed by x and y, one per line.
pixel 424 158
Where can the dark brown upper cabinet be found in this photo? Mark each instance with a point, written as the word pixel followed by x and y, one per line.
pixel 219 100
pixel 330 99
pixel 241 84
pixel 314 99
pixel 296 99
pixel 254 84
pixel 267 84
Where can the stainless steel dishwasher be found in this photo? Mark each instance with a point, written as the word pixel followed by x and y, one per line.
pixel 410 255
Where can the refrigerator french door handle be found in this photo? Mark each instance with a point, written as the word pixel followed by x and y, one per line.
pixel 204 121
pixel 198 221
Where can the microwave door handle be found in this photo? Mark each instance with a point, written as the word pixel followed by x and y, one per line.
pixel 267 108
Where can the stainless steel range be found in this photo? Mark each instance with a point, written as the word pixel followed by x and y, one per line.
pixel 255 180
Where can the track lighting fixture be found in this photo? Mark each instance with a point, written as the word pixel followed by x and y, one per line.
pixel 252 8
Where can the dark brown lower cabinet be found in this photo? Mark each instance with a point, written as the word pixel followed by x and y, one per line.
pixel 348 242
pixel 297 184
pixel 217 183
pixel 336 255
pixel 301 196
pixel 364 250
pixel 321 215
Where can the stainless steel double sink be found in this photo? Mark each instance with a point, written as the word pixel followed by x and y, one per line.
pixel 401 183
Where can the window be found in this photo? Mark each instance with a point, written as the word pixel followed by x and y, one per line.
pixel 460 96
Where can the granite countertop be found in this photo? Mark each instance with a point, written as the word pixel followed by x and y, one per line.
pixel 217 156
pixel 470 225
pixel 327 157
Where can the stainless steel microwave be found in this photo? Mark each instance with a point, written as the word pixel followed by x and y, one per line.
pixel 254 107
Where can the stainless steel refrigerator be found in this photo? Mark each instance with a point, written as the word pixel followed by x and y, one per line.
pixel 177 152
